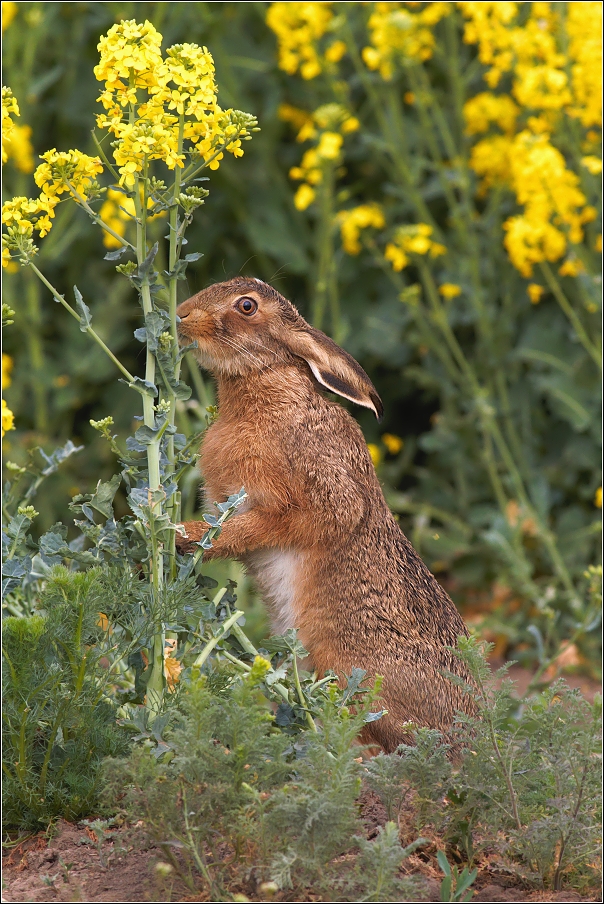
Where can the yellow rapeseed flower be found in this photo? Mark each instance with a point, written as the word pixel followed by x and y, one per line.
pixel 583 25
pixel 449 290
pixel 8 418
pixel 9 11
pixel 67 171
pixel 304 196
pixel 352 221
pixel 299 27
pixel 413 239
pixel 9 105
pixel 398 33
pixel 554 205
pixel 375 453
pixel 19 149
pixel 326 127
pixel 592 164
pixel 571 267
pixel 393 443
pixel 486 109
pixel 598 498
pixel 260 669
pixel 7 366
pixel 535 292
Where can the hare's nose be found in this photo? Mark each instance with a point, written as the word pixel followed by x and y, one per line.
pixel 183 310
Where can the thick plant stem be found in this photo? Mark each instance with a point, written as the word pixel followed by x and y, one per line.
pixel 172 289
pixel 156 683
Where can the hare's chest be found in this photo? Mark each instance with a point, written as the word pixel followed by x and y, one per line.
pixel 277 574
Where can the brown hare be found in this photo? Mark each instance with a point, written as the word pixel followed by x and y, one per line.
pixel 315 532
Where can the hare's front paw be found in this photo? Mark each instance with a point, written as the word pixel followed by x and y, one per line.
pixel 194 531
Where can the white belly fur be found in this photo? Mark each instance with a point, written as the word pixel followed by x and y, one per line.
pixel 275 573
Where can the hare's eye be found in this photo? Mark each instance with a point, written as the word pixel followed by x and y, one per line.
pixel 247 305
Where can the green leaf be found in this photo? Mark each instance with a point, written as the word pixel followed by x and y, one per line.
pixel 85 315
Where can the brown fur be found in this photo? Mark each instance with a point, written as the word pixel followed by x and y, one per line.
pixel 361 596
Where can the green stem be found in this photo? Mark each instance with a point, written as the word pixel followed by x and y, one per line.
pixel 390 136
pixel 94 216
pixel 228 624
pixel 566 306
pixel 309 719
pixel 91 332
pixel 156 683
pixel 35 347
pixel 324 248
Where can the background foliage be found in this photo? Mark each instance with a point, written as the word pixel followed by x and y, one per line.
pixel 486 364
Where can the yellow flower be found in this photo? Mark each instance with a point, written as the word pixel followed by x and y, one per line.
pixel 299 27
pixel 397 33
pixel 598 498
pixel 9 11
pixel 413 239
pixel 598 243
pixel 67 171
pixel 554 205
pixel 530 242
pixel 18 147
pixel 335 52
pixel 354 220
pixel 409 97
pixel 9 105
pixel 449 290
pixel 329 145
pixel 8 418
pixel 321 127
pixel 298 118
pixel 374 452
pixel 488 109
pixel 130 59
pixel 260 668
pixel 304 197
pixel 583 25
pixel 22 215
pixel 490 158
pixel 7 366
pixel 535 292
pixel 571 267
pixel 593 164
pixel 396 256
pixel 393 443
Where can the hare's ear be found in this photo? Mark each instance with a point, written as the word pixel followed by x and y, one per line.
pixel 334 368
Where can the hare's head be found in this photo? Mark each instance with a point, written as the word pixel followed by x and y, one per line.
pixel 244 325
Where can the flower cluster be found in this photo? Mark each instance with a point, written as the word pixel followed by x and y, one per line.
pixel 327 127
pixel 299 28
pixel 68 171
pixel 487 109
pixel 8 419
pixel 584 29
pixel 524 157
pixel 396 32
pixel 352 221
pixel 554 206
pixel 22 215
pixel 409 240
pixel 152 106
pixel 9 105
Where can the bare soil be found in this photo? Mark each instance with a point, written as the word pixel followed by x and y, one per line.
pixel 69 864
